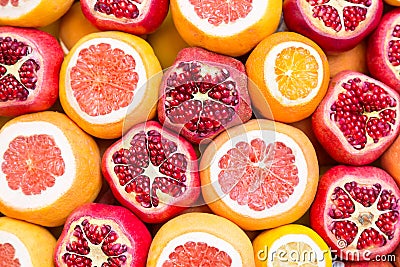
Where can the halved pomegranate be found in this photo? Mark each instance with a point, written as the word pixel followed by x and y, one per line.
pixel 30 61
pixel 203 93
pixel 152 171
pixel 358 118
pixel 356 211
pixel 103 236
pixel 383 52
pixel 335 25
pixel 133 16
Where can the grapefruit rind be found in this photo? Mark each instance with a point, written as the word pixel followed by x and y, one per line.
pixel 269 137
pixel 63 183
pixel 11 12
pixel 115 115
pixel 209 239
pixel 223 29
pixel 21 252
pixel 270 76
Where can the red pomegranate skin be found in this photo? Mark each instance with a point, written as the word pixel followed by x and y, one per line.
pixel 332 138
pixel 368 264
pixel 243 111
pixel 296 20
pixel 378 62
pixel 47 53
pixel 321 221
pixel 133 229
pixel 151 14
pixel 163 211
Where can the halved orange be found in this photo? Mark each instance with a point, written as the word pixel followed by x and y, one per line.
pixel 48 167
pixel 228 27
pixel 291 245
pixel 290 74
pixel 200 239
pixel 260 175
pixel 108 81
pixel 32 13
pixel 25 244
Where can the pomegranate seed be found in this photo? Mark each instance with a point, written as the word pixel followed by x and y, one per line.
pixel 118 8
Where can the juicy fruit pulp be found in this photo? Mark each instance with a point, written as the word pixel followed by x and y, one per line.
pixel 361 114
pixel 152 171
pixel 335 25
pixel 187 240
pixel 202 94
pixel 102 235
pixel 29 63
pixel 359 207
pixel 259 171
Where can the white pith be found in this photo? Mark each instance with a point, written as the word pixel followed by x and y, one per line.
pixel 339 5
pixel 270 77
pixel 13 69
pixel 152 172
pixel 358 209
pixel 17 199
pixel 224 30
pixel 96 254
pixel 209 239
pixel 370 145
pixel 269 137
pixel 389 37
pixel 281 242
pixel 21 252
pixel 24 6
pixel 142 5
pixel 139 92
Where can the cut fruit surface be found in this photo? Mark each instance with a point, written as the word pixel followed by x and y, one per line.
pixel 291 76
pixel 19 244
pixel 291 245
pixel 32 13
pixel 196 239
pixel 255 173
pixel 43 171
pixel 109 81
pixel 227 27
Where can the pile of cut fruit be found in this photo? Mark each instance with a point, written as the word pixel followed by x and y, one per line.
pixel 199 133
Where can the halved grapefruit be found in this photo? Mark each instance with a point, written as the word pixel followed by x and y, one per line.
pixel 108 81
pixel 260 175
pixel 25 244
pixel 200 239
pixel 230 27
pixel 48 167
pixel 32 13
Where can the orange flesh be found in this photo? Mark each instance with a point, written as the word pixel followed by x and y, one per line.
pixel 217 12
pixel 39 163
pixel 198 254
pixel 7 254
pixel 258 175
pixel 297 72
pixel 103 79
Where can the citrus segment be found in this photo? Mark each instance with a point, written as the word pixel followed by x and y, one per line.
pixel 291 76
pixel 230 27
pixel 7 256
pixel 46 161
pixel 103 79
pixel 256 173
pixel 34 173
pixel 108 81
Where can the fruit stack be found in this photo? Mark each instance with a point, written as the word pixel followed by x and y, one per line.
pixel 231 133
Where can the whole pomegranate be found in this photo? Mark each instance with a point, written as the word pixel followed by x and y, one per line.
pixel 358 119
pixel 335 25
pixel 30 61
pixel 203 93
pixel 356 211
pixel 104 236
